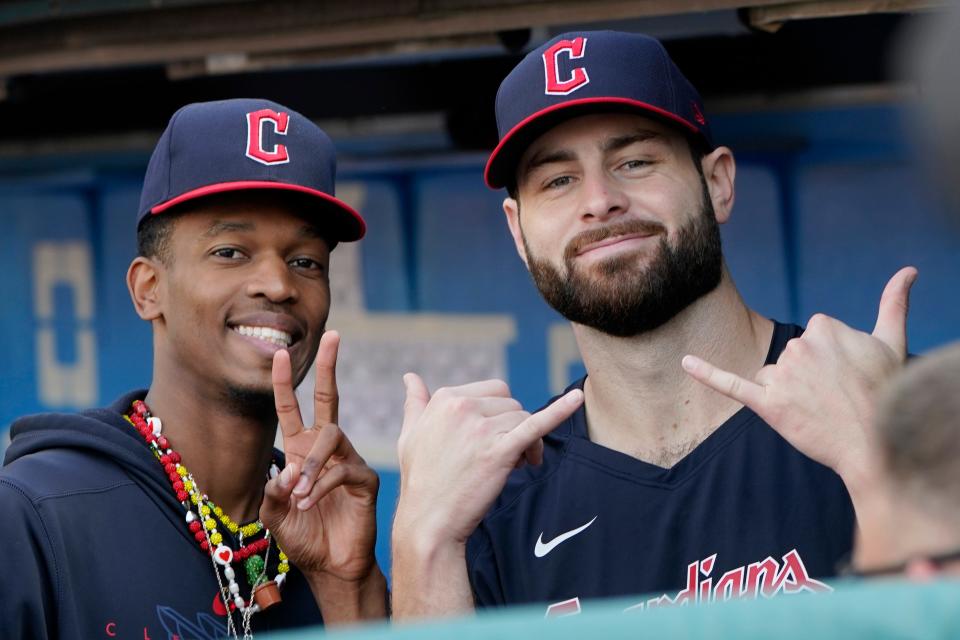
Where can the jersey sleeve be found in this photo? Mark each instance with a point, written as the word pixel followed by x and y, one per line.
pixel 27 578
pixel 483 571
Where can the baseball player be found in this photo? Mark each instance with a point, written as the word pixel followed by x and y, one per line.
pixel 166 514
pixel 647 480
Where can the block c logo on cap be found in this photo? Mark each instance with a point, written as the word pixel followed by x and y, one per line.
pixel 255 150
pixel 556 86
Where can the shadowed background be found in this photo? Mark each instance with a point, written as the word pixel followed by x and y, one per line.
pixel 830 202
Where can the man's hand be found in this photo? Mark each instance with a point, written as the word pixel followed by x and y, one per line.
pixel 322 507
pixel 456 450
pixel 820 394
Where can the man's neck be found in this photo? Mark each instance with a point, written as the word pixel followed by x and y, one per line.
pixel 638 398
pixel 228 453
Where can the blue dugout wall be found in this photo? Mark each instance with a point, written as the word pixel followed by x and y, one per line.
pixel 827 210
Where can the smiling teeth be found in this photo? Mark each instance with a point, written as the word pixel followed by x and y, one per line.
pixel 267 334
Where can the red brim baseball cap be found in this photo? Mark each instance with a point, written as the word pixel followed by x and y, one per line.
pixel 232 145
pixel 587 72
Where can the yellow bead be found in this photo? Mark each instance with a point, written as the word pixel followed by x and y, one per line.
pixel 216 538
pixel 283 568
pixel 195 499
pixel 232 526
pixel 205 510
pixel 218 511
pixel 210 524
pixel 283 556
pixel 181 470
pixel 188 485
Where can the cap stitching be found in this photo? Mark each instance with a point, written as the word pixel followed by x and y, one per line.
pixel 170 127
pixel 670 79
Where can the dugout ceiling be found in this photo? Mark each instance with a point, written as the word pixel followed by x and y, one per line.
pixel 95 68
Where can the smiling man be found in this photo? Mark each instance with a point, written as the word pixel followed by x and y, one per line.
pixel 650 482
pixel 166 515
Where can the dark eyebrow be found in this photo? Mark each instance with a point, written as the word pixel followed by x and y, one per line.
pixel 621 142
pixel 225 226
pixel 547 157
pixel 616 143
pixel 311 231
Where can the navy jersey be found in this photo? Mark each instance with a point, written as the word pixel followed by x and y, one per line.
pixel 743 514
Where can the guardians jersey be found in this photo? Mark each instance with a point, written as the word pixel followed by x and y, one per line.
pixel 743 514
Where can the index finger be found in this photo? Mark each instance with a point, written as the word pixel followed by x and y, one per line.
pixel 285 400
pixel 326 399
pixel 729 384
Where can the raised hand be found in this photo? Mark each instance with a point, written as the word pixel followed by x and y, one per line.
pixel 322 506
pixel 457 447
pixel 820 394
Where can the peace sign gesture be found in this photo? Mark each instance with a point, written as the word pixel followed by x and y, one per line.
pixel 820 394
pixel 322 507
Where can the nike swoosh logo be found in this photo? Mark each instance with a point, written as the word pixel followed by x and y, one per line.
pixel 543 548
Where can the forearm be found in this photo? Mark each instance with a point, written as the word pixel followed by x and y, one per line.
pixel 348 601
pixel 429 577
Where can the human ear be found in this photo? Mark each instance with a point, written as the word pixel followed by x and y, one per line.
pixel 511 209
pixel 143 283
pixel 719 171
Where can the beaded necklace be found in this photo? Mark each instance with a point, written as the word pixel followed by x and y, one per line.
pixel 200 518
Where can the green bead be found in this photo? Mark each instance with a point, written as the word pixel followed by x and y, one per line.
pixel 254 566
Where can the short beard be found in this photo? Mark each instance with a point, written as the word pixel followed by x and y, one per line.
pixel 250 402
pixel 624 299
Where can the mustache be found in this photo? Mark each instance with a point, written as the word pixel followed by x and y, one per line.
pixel 625 227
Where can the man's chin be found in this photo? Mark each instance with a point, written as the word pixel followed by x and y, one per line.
pixel 249 400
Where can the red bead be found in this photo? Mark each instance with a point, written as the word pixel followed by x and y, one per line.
pixel 178 486
pixel 174 477
pixel 195 526
pixel 200 536
pixel 175 457
pixel 165 460
pixel 162 441
pixel 170 467
pixel 182 495
pixel 205 546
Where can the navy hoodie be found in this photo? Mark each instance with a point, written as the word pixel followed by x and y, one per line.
pixel 95 544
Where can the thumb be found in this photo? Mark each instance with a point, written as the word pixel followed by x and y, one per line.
pixel 417 398
pixel 891 327
pixel 276 496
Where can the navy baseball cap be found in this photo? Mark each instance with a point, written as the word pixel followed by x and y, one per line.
pixel 230 145
pixel 587 72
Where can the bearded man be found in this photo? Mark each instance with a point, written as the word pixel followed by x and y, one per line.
pixel 648 481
